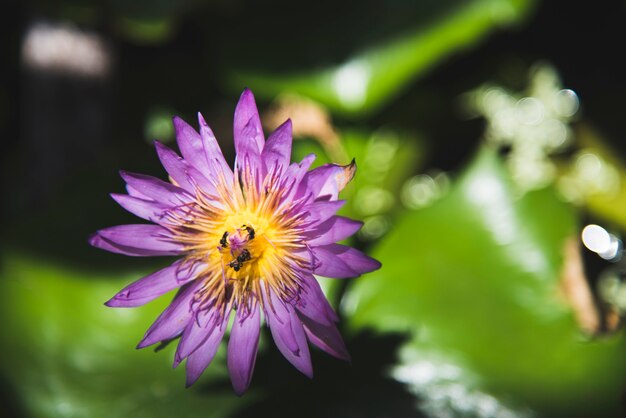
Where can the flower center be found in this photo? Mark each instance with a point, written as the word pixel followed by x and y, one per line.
pixel 248 245
pixel 236 243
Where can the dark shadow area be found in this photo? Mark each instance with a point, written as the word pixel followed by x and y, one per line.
pixel 343 390
pixel 9 400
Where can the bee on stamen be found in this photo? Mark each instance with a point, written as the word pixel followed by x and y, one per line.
pixel 235 265
pixel 241 258
pixel 223 241
pixel 244 256
pixel 250 231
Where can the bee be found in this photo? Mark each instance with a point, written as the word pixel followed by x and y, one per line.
pixel 235 265
pixel 223 241
pixel 250 231
pixel 241 258
pixel 244 256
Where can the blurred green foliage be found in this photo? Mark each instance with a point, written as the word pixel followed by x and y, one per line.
pixel 475 280
pixel 385 159
pixel 368 79
pixel 596 178
pixel 71 356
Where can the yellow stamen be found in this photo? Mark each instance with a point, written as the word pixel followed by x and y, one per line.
pixel 240 266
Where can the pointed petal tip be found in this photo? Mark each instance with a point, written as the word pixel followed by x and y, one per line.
pixel 179 125
pixel 120 302
pixel 347 175
pixel 118 197
pixel 97 240
pixel 352 166
pixel 341 353
pixel 177 361
pixel 240 391
pixel 201 120
pixel 191 378
pixel 125 175
pixel 143 343
pixel 93 239
pixel 376 265
pixel 162 149
pixel 371 264
pixel 287 126
pixel 247 99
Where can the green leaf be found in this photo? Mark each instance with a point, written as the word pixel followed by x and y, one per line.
pixel 370 78
pixel 67 355
pixel 474 279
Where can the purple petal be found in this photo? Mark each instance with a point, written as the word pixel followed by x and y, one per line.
pixel 277 150
pixel 247 129
pixel 188 175
pixel 277 312
pixel 297 171
pixel 136 193
pixel 154 285
pixel 203 355
pixel 313 302
pixel 326 337
pixel 175 166
pixel 190 144
pixel 145 209
pixel 137 240
pixel 357 261
pixel 289 337
pixel 335 229
pixel 174 318
pixel 155 189
pixel 329 264
pixel 200 328
pixel 213 153
pixel 242 348
pixel 319 212
pixel 327 180
pixel 293 176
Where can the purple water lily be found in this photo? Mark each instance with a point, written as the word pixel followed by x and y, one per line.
pixel 250 243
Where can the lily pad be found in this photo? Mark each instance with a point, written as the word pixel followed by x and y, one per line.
pixel 474 280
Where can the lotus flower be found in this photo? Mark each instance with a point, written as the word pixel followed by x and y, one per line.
pixel 250 241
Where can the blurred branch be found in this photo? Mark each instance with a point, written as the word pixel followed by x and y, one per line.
pixel 309 120
pixel 575 288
